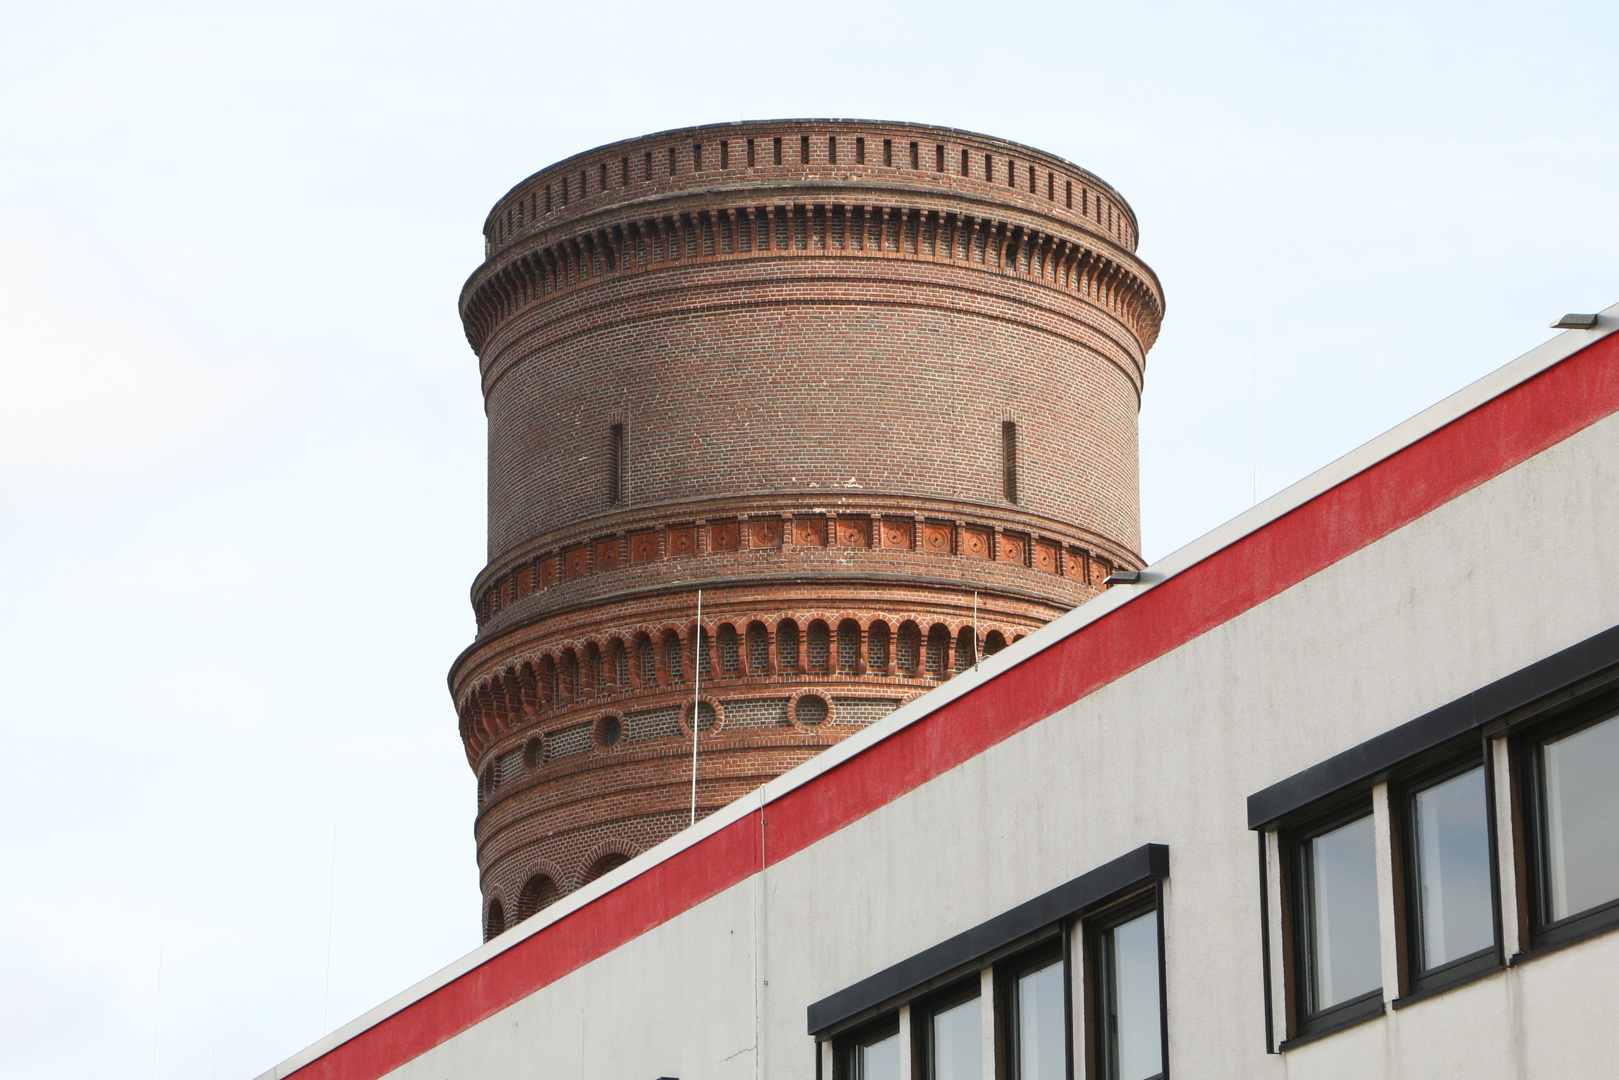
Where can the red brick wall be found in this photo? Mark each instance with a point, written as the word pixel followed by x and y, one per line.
pixel 808 365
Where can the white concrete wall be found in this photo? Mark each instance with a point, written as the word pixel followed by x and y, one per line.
pixel 1499 578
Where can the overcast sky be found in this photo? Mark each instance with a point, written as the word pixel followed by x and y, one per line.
pixel 242 443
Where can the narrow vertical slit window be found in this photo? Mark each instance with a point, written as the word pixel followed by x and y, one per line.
pixel 615 465
pixel 803 149
pixel 1009 461
pixel 1129 997
pixel 778 150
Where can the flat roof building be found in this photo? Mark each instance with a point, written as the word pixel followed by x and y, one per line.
pixel 1329 792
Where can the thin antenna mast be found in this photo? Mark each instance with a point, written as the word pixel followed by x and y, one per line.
pixel 1256 417
pixel 157 1019
pixel 975 630
pixel 696 700
pixel 331 920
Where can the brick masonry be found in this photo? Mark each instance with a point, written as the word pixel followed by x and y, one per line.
pixel 871 387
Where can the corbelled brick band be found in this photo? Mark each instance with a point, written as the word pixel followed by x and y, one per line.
pixel 871 387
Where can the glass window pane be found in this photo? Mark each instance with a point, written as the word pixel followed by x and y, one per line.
pixel 1135 1034
pixel 1041 1042
pixel 878 1059
pixel 1343 942
pixel 1450 832
pixel 1581 819
pixel 958 1043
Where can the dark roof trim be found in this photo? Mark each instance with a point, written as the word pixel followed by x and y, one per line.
pixel 1145 864
pixel 1468 713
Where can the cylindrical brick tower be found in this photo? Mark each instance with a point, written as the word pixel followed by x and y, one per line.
pixel 840 375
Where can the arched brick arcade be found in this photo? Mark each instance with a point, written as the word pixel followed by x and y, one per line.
pixel 848 378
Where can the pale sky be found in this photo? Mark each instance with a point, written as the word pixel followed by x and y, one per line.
pixel 242 443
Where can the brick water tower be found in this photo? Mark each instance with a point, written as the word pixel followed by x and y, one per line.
pixel 841 376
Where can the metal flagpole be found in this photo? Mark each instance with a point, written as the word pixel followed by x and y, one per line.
pixel 696 701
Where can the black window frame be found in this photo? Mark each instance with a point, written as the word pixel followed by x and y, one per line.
pixel 1302 1022
pixel 1013 941
pixel 1417 982
pixel 1008 1019
pixel 923 1010
pixel 843 1047
pixel 1537 933
pixel 1099 1049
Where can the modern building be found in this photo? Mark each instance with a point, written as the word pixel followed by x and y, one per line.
pixel 1330 792
pixel 867 390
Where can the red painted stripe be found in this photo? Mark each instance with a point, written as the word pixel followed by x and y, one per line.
pixel 1480 445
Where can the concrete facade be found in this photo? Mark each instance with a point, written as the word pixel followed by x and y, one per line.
pixel 1443 564
pixel 870 387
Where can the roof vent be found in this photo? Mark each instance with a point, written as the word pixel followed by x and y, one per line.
pixel 1576 322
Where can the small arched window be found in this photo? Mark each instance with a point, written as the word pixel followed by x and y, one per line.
pixel 820 645
pixel 538 892
pixel 966 649
pixel 605 864
pixel 877 648
pixel 787 645
pixel 848 646
pixel 908 648
pixel 730 650
pixel 758 649
pixel 672 656
pixel 938 651
pixel 494 920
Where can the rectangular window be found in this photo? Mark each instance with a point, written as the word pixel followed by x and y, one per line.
pixel 860 150
pixel 916 157
pixel 1129 997
pixel 750 153
pixel 1009 461
pixel 696 157
pixel 832 149
pixel 938 151
pixel 1036 1018
pixel 874 1053
pixel 952 1043
pixel 888 151
pixel 778 149
pixel 725 153
pixel 615 465
pixel 1338 943
pixel 1574 834
pixel 1450 899
pixel 803 150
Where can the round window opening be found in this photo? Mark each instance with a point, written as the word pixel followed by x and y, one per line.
pixel 608 730
pixel 705 717
pixel 810 710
